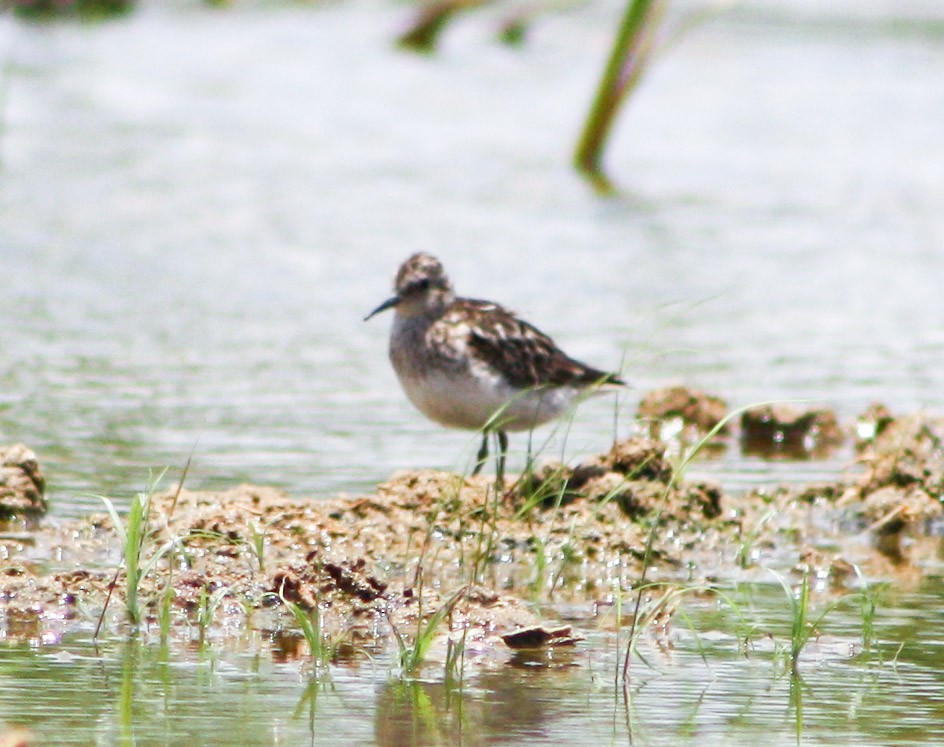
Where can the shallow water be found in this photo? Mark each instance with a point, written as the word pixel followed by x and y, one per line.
pixel 197 208
pixel 243 691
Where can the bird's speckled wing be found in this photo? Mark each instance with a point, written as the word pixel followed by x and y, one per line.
pixel 524 355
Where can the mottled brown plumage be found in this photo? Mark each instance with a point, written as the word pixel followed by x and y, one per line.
pixel 524 355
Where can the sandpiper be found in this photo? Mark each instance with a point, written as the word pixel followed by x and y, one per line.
pixel 473 364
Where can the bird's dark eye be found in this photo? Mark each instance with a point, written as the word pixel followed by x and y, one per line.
pixel 420 285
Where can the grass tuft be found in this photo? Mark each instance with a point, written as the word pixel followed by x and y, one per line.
pixel 412 655
pixel 133 537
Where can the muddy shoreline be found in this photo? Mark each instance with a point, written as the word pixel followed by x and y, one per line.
pixel 546 554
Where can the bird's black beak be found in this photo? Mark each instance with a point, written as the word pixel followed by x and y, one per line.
pixel 388 304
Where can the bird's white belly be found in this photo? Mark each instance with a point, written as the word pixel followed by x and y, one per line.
pixel 469 399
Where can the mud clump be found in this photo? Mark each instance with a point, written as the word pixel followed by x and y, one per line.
pixel 783 430
pixel 890 510
pixel 635 475
pixel 680 410
pixel 908 452
pixel 314 584
pixel 639 458
pixel 903 483
pixel 871 424
pixel 22 485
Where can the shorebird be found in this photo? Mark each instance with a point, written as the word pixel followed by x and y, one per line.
pixel 466 363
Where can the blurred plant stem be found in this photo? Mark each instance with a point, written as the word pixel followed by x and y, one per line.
pixel 423 34
pixel 86 9
pixel 629 59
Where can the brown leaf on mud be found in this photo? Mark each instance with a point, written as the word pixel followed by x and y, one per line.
pixel 538 636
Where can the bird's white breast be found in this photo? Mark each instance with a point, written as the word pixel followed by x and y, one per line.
pixel 445 379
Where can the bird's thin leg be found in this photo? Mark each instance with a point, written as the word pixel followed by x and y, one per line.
pixel 529 459
pixel 482 455
pixel 500 461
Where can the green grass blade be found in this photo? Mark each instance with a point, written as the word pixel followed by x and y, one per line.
pixel 416 655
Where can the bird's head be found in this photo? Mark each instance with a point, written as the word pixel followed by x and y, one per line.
pixel 421 287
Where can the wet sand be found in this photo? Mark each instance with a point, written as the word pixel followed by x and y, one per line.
pixel 495 560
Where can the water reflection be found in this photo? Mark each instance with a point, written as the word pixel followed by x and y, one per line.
pixel 711 691
pixel 130 652
pixel 419 714
pixel 522 701
pixel 306 710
